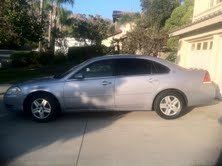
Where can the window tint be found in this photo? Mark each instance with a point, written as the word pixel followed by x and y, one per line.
pixel 160 69
pixel 103 68
pixel 133 67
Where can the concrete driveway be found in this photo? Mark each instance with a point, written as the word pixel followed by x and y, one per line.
pixel 113 139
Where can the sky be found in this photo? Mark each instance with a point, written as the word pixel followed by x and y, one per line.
pixel 104 7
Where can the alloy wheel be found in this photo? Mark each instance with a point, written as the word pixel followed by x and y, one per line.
pixel 41 108
pixel 170 105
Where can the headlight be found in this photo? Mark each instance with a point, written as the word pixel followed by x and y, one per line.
pixel 14 91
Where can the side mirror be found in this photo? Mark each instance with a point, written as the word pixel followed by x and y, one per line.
pixel 79 76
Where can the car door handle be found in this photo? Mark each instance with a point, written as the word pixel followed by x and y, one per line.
pixel 151 80
pixel 106 83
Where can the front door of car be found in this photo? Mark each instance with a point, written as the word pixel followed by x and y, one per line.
pixel 134 85
pixel 92 87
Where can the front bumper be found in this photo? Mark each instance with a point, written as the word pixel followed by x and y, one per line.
pixel 13 103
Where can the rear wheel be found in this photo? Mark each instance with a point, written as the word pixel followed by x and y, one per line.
pixel 169 104
pixel 42 107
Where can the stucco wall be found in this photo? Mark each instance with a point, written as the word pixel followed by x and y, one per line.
pixel 125 28
pixel 203 8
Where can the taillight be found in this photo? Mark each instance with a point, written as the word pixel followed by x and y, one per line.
pixel 207 78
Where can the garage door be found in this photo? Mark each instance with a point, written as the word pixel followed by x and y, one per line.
pixel 201 55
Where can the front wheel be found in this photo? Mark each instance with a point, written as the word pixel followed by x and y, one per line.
pixel 43 108
pixel 169 105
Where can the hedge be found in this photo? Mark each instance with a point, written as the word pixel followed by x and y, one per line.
pixel 80 54
pixel 33 58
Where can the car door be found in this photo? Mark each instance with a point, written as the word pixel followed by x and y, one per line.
pixel 134 84
pixel 92 87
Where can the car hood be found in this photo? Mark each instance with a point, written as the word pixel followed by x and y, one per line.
pixel 41 80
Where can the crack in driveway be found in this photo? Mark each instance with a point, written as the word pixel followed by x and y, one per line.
pixel 80 148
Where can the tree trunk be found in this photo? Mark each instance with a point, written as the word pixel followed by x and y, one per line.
pixel 50 30
pixel 54 29
pixel 41 20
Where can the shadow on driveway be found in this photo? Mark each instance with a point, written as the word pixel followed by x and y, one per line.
pixel 20 135
pixel 220 120
pixel 190 109
pixel 219 161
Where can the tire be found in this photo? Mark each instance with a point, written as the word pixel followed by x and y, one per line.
pixel 42 107
pixel 169 105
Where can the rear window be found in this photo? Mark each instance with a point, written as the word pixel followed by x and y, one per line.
pixel 131 66
pixel 160 69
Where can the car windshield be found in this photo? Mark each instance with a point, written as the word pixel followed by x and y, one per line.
pixel 62 75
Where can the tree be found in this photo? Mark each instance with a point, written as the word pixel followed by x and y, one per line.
pixel 64 17
pixel 149 36
pixel 157 12
pixel 20 25
pixel 145 41
pixel 92 28
pixel 126 18
pixel 56 6
pixel 182 15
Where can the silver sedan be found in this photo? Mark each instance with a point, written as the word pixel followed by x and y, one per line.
pixel 117 83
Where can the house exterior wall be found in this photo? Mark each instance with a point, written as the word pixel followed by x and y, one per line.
pixel 203 8
pixel 125 28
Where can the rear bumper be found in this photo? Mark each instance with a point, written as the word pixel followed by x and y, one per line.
pixel 202 95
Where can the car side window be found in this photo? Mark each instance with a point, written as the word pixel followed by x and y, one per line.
pixel 160 69
pixel 131 66
pixel 102 68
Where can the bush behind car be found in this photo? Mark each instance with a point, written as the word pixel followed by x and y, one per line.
pixel 35 59
pixel 80 54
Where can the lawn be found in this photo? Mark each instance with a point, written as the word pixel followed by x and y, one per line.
pixel 13 75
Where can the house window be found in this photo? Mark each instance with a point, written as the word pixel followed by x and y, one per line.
pixel 193 47
pixel 211 45
pixel 205 45
pixel 214 2
pixel 211 3
pixel 199 46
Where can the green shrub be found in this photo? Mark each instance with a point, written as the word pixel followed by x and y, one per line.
pixel 60 59
pixel 5 63
pixel 80 54
pixel 172 57
pixel 31 59
pixel 24 59
pixel 75 54
pixel 44 58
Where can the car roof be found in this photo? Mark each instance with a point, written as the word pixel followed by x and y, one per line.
pixel 155 59
pixel 120 56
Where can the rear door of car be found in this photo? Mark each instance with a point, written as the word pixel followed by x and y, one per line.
pixel 134 84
